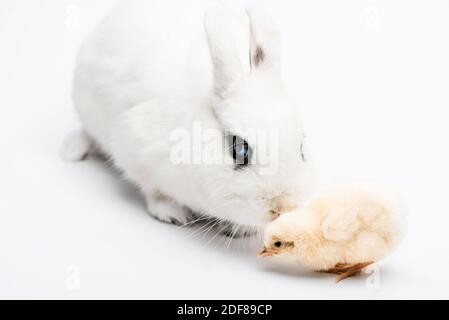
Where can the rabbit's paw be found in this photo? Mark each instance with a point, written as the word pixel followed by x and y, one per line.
pixel 166 210
pixel 76 146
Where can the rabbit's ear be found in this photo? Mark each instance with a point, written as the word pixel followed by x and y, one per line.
pixel 265 40
pixel 226 62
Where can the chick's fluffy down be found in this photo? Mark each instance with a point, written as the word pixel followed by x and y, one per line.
pixel 368 219
pixel 344 224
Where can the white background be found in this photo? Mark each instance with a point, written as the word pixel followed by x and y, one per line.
pixel 372 81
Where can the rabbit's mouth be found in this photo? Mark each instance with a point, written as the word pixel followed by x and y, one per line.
pixel 233 230
pixel 274 214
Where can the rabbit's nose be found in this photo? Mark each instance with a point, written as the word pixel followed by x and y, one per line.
pixel 273 214
pixel 280 205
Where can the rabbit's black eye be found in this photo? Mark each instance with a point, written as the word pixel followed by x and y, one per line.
pixel 240 150
pixel 278 244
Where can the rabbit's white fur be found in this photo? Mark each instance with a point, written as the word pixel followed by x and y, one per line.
pixel 152 67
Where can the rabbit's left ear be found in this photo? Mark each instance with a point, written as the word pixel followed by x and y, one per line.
pixel 265 42
pixel 223 50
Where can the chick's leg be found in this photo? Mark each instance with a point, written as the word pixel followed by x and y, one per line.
pixel 338 269
pixel 347 270
pixel 352 271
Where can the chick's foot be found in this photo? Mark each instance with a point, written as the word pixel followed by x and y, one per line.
pixel 344 270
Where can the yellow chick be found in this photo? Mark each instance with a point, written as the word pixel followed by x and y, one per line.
pixel 340 230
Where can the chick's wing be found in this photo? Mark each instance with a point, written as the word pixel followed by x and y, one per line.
pixel 341 224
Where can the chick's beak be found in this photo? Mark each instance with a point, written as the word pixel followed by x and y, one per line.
pixel 266 253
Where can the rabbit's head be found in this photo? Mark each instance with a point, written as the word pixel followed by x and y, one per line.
pixel 267 171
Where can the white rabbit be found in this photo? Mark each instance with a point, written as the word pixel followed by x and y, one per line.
pixel 153 70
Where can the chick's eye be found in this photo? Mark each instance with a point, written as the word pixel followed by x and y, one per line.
pixel 278 244
pixel 240 150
